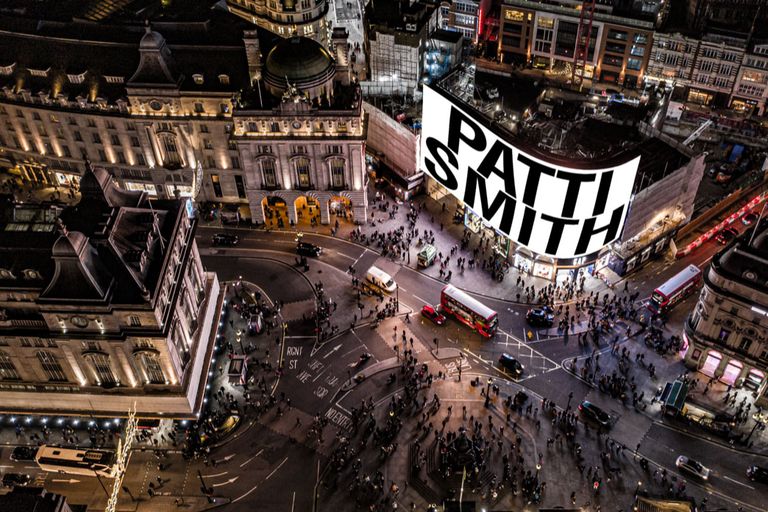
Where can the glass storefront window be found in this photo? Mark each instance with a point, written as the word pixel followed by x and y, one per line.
pixel 544 270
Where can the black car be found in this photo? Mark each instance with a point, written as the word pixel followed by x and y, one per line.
pixel 16 479
pixel 307 249
pixel 758 474
pixel 540 317
pixel 595 413
pixel 726 235
pixel 511 364
pixel 225 239
pixel 23 453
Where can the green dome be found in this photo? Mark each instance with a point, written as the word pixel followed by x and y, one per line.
pixel 304 62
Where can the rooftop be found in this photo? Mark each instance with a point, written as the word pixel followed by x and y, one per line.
pixel 91 60
pixel 744 262
pixel 110 247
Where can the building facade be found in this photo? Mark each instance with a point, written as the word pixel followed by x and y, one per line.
pixel 464 16
pixel 544 36
pixel 395 39
pixel 750 91
pixel 157 113
pixel 301 132
pixel 286 18
pixel 105 307
pixel 717 63
pixel 672 58
pixel 726 334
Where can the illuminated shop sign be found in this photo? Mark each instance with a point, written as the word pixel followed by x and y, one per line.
pixel 553 210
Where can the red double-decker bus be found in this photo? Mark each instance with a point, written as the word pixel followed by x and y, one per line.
pixel 666 296
pixel 469 311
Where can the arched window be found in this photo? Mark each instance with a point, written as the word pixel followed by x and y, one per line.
pixel 150 365
pixel 302 172
pixel 7 368
pixel 268 173
pixel 51 366
pixel 102 368
pixel 337 172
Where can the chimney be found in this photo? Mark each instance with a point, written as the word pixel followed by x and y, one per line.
pixel 252 54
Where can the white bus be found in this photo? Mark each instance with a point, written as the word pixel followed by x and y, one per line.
pixel 76 462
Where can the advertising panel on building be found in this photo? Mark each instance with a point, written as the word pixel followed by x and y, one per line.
pixel 549 208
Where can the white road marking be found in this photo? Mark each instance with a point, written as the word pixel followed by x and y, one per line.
pixel 231 480
pixel 249 460
pixel 257 485
pixel 293 501
pixel 422 300
pixel 346 256
pixel 216 475
pixel 737 482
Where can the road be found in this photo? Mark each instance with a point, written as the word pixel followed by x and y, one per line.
pixel 330 364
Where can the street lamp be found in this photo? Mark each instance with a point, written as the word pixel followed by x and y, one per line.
pixel 637 489
pixel 488 392
pixel 538 468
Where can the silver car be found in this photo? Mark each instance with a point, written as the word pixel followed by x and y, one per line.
pixel 691 466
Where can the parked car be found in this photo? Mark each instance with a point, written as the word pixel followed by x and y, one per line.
pixel 540 317
pixel 757 474
pixel 433 313
pixel 308 249
pixel 693 467
pixel 23 453
pixel 595 413
pixel 511 364
pixel 16 479
pixel 749 218
pixel 225 239
pixel 726 235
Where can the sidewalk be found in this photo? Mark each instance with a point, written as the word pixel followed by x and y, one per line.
pixel 447 235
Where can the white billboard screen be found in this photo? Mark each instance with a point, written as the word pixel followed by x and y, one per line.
pixel 554 210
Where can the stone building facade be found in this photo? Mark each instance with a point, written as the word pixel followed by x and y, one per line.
pixel 727 332
pixel 157 113
pixel 105 306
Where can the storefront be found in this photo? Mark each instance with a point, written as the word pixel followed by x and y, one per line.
pixel 182 190
pixel 711 363
pixel 732 372
pixel 66 179
pixel 149 188
pixel 544 267
pixel 754 379
pixel 476 224
pixel 701 97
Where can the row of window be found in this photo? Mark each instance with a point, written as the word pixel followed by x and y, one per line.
pixel 301 169
pixel 51 367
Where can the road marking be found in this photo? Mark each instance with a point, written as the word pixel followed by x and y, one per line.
pixel 346 256
pixel 233 479
pixel 422 300
pixel 406 291
pixel 73 481
pixel 299 337
pixel 334 349
pixel 216 475
pixel 257 485
pixel 737 482
pixel 319 374
pixel 293 501
pixel 249 460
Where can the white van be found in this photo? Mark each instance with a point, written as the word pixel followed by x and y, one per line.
pixel 379 278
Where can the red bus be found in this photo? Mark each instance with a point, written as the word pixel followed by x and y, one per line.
pixel 469 311
pixel 666 296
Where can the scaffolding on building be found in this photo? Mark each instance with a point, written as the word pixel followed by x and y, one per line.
pixel 583 37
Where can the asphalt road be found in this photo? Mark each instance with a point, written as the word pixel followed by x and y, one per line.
pixel 333 362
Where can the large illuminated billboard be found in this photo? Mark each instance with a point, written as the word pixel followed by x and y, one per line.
pixel 551 209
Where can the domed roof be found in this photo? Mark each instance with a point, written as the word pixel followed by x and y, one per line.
pixel 151 40
pixel 302 61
